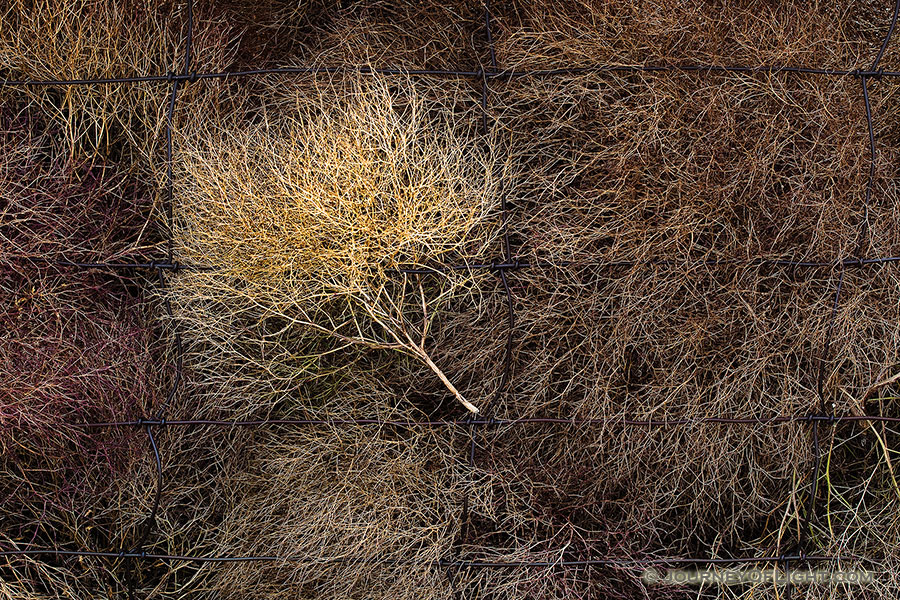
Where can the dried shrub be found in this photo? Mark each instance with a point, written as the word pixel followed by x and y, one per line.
pixel 74 350
pixel 56 207
pixel 304 219
pixel 76 347
pixel 540 35
pixel 649 176
pixel 400 35
pixel 344 504
pixel 74 344
pixel 668 174
pixel 99 39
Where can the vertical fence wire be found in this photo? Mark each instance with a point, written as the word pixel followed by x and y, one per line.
pixel 486 130
pixel 132 569
pixel 824 412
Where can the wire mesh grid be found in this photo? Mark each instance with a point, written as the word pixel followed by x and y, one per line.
pixel 505 265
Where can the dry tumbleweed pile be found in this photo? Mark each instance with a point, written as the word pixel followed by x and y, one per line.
pixel 519 214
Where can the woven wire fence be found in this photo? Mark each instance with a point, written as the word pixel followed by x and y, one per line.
pixel 504 265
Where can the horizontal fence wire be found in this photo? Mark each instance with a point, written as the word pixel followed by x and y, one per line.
pixel 505 265
pixel 452 423
pixel 508 262
pixel 486 564
pixel 170 78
